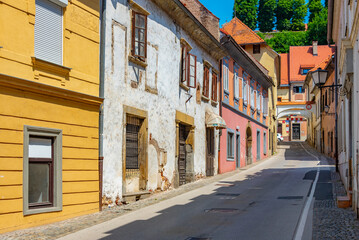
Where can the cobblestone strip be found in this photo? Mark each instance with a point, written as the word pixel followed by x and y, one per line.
pixel 331 222
pixel 59 229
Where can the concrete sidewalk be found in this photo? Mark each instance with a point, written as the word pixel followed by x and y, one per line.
pixel 63 228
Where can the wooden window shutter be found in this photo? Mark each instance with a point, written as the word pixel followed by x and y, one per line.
pixel 192 70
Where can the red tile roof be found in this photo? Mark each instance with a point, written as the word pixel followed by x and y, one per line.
pixel 323 64
pixel 241 32
pixel 284 70
pixel 302 57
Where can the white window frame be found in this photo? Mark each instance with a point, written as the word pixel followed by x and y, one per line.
pixel 56 134
pixel 225 77
pixel 236 85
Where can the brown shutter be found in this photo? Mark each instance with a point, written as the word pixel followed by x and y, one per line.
pixel 133 34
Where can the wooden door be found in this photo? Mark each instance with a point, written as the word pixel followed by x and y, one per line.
pixel 210 152
pixel 182 155
pixel 296 131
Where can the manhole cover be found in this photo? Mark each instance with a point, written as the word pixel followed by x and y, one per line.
pixel 291 197
pixel 222 210
pixel 228 194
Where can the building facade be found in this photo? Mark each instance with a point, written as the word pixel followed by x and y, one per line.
pixel 244 108
pixel 343 29
pixel 49 78
pixel 161 109
pixel 269 59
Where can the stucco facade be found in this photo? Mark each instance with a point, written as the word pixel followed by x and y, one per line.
pixel 152 91
pixel 343 29
pixel 51 112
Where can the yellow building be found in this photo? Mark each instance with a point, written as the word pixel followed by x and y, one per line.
pixel 270 59
pixel 49 111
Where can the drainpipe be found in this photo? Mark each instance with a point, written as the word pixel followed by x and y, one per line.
pixel 101 93
pixel 336 105
pixel 220 111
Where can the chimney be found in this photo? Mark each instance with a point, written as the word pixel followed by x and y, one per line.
pixel 315 48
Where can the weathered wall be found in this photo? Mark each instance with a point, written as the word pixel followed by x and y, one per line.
pixel 161 99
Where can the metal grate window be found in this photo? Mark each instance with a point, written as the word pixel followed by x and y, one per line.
pixel 132 142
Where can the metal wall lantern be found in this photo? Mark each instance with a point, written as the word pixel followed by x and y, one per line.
pixel 319 77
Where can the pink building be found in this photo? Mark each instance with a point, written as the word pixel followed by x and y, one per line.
pixel 244 107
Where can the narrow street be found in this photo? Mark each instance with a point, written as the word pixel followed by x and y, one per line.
pixel 263 202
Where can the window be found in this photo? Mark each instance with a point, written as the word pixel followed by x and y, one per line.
pixel 48 31
pixel 305 71
pixel 42 170
pixel 265 106
pixel 192 73
pixel 265 143
pixel 298 89
pixel 205 90
pixel 139 35
pixel 251 96
pixel 245 92
pixel 184 64
pixel 258 102
pixel 236 85
pixel 256 48
pixel 214 86
pixel 225 78
pixel 230 145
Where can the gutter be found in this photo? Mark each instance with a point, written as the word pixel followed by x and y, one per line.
pixel 101 93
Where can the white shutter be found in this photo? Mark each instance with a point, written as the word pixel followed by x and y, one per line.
pixel 48 31
pixel 236 86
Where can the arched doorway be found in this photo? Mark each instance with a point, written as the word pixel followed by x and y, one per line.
pixel 248 145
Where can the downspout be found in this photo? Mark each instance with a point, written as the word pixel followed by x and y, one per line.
pixel 220 113
pixel 101 93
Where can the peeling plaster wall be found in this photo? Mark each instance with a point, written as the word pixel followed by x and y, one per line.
pixel 161 100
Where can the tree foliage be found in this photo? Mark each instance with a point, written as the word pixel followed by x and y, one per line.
pixel 266 10
pixel 283 14
pixel 315 7
pixel 317 28
pixel 246 11
pixel 281 41
pixel 299 12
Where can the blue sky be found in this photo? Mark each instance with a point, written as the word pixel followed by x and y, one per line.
pixel 223 9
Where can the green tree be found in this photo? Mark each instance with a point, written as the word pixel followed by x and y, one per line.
pixel 283 14
pixel 266 10
pixel 315 7
pixel 246 11
pixel 317 29
pixel 299 12
pixel 281 41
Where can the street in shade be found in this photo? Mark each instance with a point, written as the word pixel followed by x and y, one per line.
pixel 271 200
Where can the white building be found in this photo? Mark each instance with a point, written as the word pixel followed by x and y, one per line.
pixel 343 29
pixel 161 89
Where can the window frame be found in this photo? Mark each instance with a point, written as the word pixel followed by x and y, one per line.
pixel 184 64
pixel 230 145
pixel 56 178
pixel 225 77
pixel 189 71
pixel 205 89
pixel 236 85
pixel 133 41
pixel 214 95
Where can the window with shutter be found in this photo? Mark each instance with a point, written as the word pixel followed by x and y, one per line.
pixel 236 85
pixel 48 31
pixel 225 77
pixel 192 67
pixel 184 64
pixel 251 96
pixel 205 90
pixel 214 86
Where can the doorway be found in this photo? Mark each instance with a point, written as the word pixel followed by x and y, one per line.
pixel 248 145
pixel 182 154
pixel 296 131
pixel 238 151
pixel 258 145
pixel 210 152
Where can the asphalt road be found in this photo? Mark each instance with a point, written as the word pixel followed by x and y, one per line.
pixel 262 202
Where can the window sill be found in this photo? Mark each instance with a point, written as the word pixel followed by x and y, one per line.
pixel 137 61
pixel 214 103
pixel 230 159
pixel 226 92
pixel 49 66
pixel 41 210
pixel 151 90
pixel 184 86
pixel 204 98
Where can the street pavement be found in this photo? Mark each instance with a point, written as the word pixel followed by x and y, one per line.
pixel 288 196
pixel 263 202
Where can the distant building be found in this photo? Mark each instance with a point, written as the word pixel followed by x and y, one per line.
pixel 293 106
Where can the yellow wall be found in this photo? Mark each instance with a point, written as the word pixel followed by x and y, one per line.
pixel 270 60
pixel 29 103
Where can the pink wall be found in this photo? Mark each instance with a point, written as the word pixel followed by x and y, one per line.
pixel 234 120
